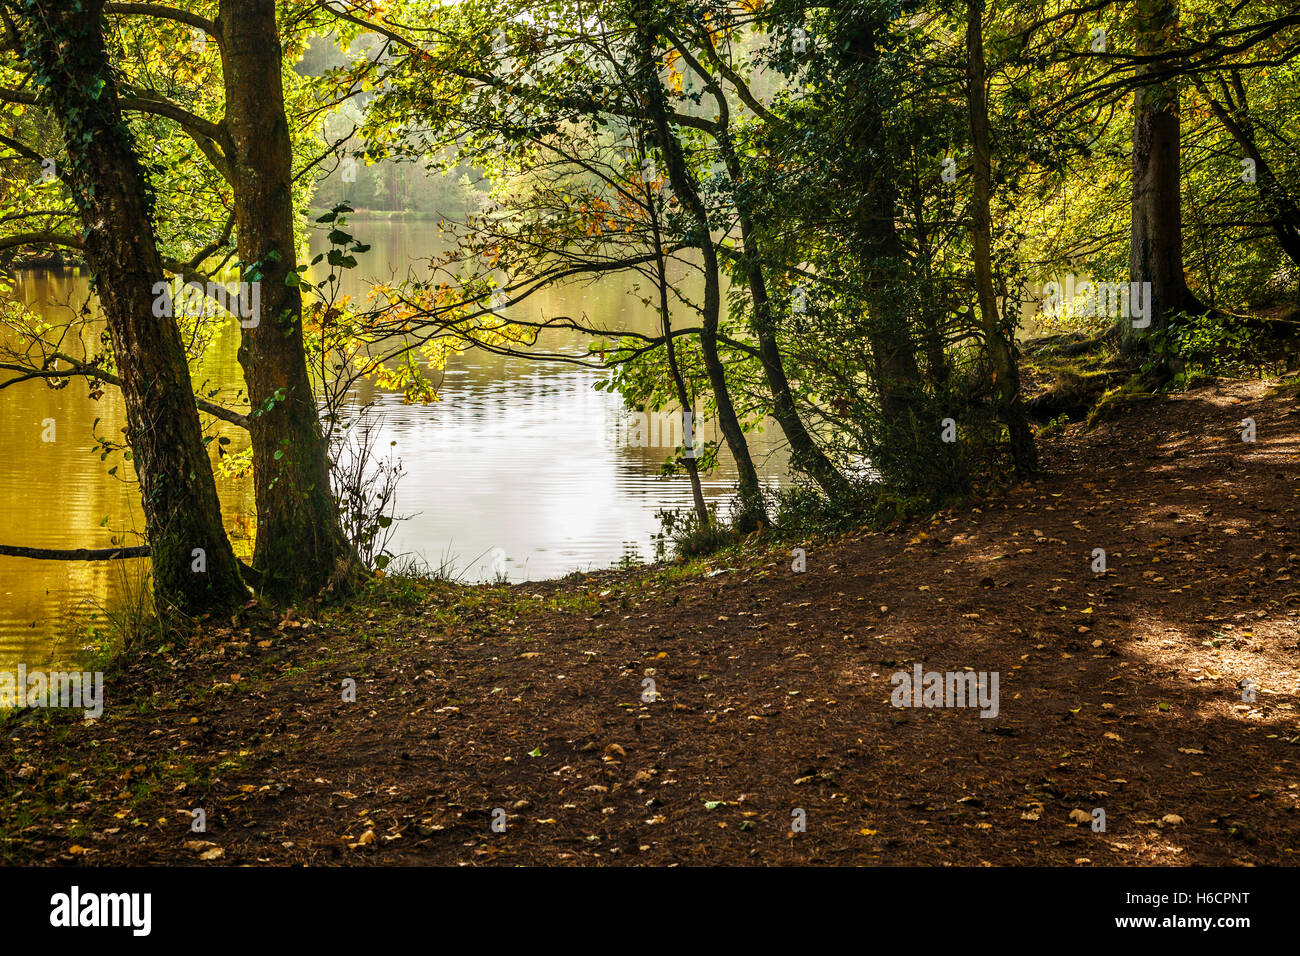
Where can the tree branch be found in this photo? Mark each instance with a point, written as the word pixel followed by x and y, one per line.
pixel 164 12
pixel 73 554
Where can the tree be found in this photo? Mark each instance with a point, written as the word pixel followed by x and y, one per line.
pixel 1232 109
pixel 999 342
pixel 194 568
pixel 690 463
pixel 805 454
pixel 498 114
pixel 300 546
pixel 752 513
pixel 1156 236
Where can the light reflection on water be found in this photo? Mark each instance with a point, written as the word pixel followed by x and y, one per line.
pixel 522 467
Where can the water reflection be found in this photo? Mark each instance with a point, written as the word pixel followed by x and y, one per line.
pixel 522 467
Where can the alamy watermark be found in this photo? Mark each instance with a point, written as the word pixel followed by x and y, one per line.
pixel 946 689
pixel 196 298
pixel 129 910
pixel 50 689
pixel 661 430
pixel 1083 298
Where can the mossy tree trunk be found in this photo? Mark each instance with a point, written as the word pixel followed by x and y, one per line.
pixel 300 545
pixel 194 568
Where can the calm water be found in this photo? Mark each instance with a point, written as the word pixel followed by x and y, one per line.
pixel 522 468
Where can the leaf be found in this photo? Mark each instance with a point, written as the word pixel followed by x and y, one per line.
pixel 535 752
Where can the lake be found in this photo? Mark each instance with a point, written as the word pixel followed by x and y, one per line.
pixel 522 470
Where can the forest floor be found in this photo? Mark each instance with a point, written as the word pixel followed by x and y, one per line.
pixel 1125 691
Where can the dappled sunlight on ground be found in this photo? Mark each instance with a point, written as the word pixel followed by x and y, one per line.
pixel 1121 691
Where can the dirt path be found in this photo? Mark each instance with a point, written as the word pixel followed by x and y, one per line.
pixel 1117 691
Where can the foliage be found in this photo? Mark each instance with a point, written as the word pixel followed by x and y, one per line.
pixel 829 145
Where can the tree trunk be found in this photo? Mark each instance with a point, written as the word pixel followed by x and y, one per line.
pixel 300 545
pixel 999 345
pixel 908 449
pixel 194 568
pixel 805 455
pixel 1156 236
pixel 752 514
pixel 679 383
